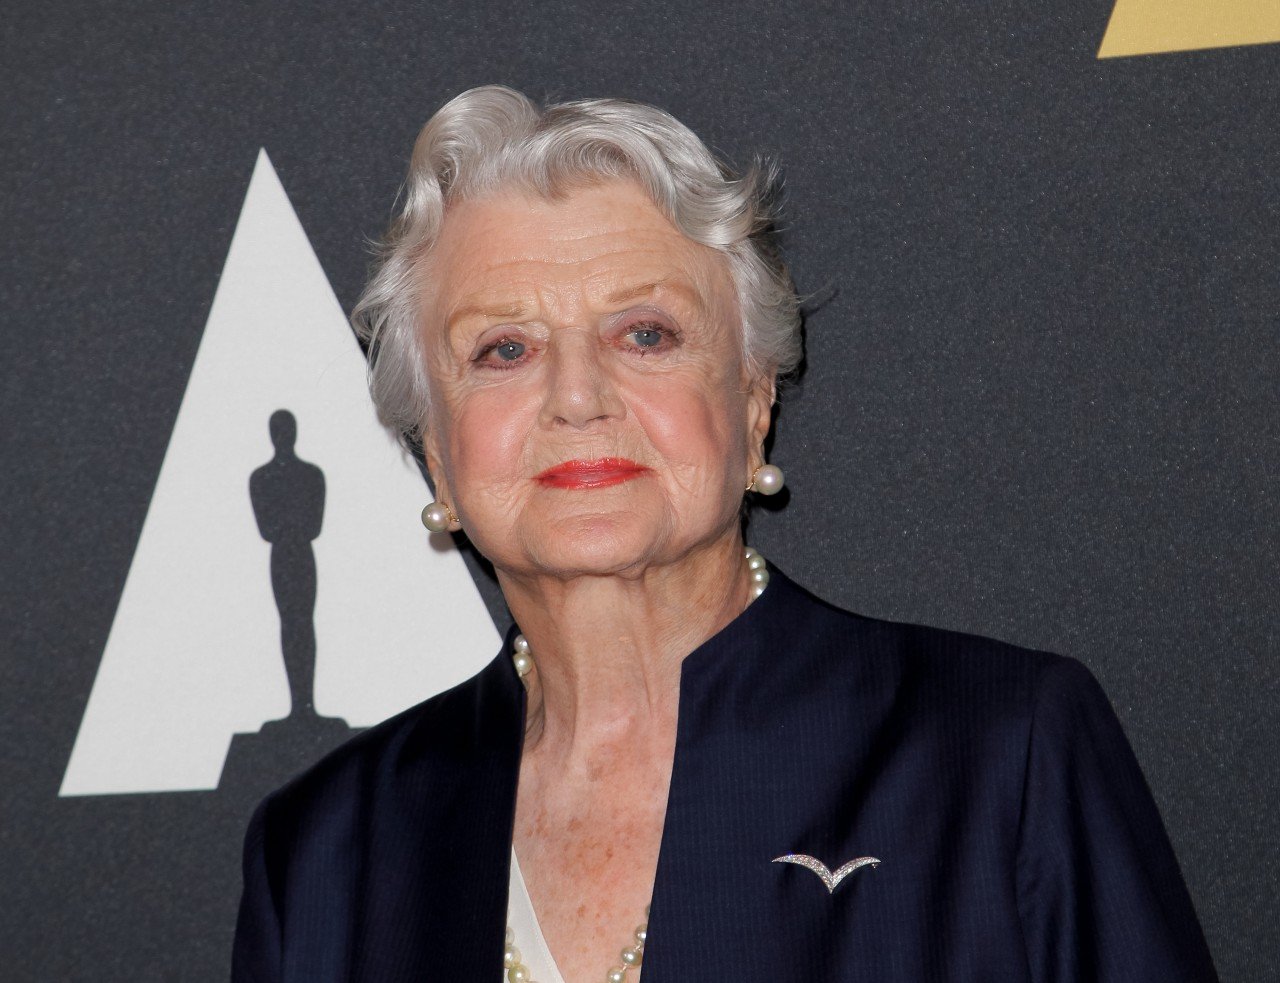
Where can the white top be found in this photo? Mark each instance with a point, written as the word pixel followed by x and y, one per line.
pixel 523 921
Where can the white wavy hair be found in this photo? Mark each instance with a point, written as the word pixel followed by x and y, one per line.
pixel 492 137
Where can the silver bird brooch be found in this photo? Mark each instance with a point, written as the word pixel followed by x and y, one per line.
pixel 818 867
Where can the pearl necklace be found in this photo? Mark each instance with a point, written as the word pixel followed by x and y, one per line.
pixel 632 955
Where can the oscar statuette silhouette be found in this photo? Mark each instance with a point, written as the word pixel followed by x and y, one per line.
pixel 288 495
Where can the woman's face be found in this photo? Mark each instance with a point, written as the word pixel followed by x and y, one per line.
pixel 590 407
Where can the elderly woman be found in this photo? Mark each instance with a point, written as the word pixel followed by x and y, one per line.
pixel 683 764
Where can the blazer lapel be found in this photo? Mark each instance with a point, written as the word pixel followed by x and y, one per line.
pixel 769 744
pixel 436 901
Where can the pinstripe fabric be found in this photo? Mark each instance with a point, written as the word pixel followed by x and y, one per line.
pixel 1017 836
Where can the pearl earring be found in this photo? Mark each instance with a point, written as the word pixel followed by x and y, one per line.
pixel 437 517
pixel 767 479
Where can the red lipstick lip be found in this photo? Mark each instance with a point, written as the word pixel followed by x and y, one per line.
pixel 600 473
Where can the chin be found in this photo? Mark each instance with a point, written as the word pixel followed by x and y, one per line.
pixel 594 544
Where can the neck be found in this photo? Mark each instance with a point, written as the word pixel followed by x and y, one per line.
pixel 607 650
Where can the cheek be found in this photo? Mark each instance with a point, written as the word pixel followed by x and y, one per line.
pixel 486 442
pixel 699 432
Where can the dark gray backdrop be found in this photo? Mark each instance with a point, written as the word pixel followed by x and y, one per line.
pixel 1040 401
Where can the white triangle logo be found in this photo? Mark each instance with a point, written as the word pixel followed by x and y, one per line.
pixel 194 653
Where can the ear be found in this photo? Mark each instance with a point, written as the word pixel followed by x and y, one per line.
pixel 435 467
pixel 760 399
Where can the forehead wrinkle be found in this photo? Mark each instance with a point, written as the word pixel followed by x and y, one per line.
pixel 541 269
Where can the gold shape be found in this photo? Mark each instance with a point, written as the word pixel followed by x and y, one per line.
pixel 1148 27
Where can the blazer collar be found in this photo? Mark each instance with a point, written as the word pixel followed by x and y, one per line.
pixel 471 798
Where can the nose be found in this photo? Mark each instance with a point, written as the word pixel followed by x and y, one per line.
pixel 580 391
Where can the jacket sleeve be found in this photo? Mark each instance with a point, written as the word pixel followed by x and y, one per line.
pixel 255 954
pixel 1099 891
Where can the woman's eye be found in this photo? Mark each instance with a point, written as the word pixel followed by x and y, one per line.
pixel 505 350
pixel 648 335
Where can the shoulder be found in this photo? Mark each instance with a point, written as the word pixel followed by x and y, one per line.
pixel 967 695
pixel 935 663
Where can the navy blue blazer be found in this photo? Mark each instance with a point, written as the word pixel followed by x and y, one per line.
pixel 1016 836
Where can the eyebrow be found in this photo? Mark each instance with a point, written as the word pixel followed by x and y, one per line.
pixel 631 293
pixel 676 284
pixel 487 310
